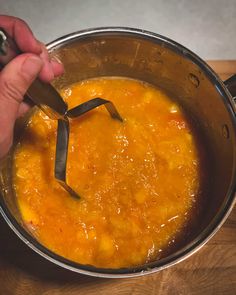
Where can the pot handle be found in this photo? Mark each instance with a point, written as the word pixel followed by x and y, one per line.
pixel 231 86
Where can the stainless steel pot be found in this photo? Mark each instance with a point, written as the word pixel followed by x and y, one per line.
pixel 153 58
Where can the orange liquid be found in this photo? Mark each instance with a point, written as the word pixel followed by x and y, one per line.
pixel 138 179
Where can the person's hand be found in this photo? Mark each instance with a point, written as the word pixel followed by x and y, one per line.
pixel 18 75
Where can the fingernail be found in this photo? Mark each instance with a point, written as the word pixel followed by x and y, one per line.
pixel 49 70
pixel 56 59
pixel 32 66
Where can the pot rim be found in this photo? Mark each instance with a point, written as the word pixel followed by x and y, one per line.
pixel 205 235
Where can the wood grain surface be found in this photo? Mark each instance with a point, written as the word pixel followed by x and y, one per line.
pixel 212 270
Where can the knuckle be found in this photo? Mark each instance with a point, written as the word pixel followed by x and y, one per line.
pixel 19 21
pixel 9 90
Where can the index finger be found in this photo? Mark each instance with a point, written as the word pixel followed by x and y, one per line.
pixel 21 33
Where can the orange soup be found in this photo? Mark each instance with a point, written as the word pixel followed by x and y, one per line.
pixel 138 180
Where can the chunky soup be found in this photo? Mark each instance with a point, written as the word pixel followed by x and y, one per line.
pixel 139 180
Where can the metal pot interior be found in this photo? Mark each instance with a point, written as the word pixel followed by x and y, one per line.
pixel 161 62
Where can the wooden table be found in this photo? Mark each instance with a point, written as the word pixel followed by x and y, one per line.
pixel 212 270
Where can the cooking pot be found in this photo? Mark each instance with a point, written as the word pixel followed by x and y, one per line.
pixel 162 62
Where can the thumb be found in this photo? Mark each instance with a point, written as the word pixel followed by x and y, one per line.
pixel 15 79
